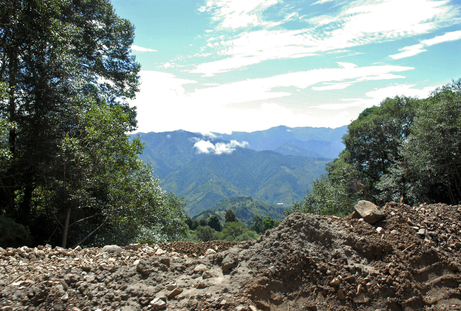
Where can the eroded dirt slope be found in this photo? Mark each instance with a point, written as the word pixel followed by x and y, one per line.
pixel 409 260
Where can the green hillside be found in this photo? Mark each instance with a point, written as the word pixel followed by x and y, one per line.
pixel 244 208
pixel 264 175
pixel 204 179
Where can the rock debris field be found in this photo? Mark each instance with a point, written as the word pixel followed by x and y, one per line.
pixel 396 257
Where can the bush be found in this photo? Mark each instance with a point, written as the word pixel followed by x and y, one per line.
pixel 13 234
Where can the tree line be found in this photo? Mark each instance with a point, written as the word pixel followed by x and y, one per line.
pixel 232 229
pixel 69 171
pixel 404 150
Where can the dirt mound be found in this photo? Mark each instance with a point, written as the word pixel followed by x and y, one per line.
pixel 408 260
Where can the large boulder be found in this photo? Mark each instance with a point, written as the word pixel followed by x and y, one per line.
pixel 368 211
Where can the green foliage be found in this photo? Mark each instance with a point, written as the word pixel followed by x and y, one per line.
pixel 334 193
pixel 244 208
pixel 405 150
pixel 192 223
pixel 247 235
pixel 261 225
pixel 373 140
pixel 230 216
pixel 269 223
pixel 431 169
pixel 68 169
pixel 205 180
pixel 232 230
pixel 258 225
pixel 214 223
pixel 205 233
pixel 13 234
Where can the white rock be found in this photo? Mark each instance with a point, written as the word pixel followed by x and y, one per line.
pixel 210 251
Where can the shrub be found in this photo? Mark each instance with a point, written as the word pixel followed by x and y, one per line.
pixel 13 234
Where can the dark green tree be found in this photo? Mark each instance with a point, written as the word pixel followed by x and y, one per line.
pixel 205 233
pixel 373 140
pixel 232 230
pixel 55 55
pixel 202 222
pixel 269 223
pixel 230 216
pixel 214 223
pixel 258 224
pixel 432 167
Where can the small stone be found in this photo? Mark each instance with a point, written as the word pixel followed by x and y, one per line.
pixel 207 275
pixel 224 303
pixel 200 268
pixel 158 304
pixel 202 285
pixel 421 232
pixel 171 286
pixel 335 282
pixel 210 251
pixel 361 298
pixel 174 292
pixel 160 252
pixel 341 295
pixel 112 249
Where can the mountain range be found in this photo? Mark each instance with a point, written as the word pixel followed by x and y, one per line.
pixel 244 208
pixel 275 166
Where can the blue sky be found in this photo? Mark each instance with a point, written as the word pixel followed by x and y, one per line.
pixel 247 65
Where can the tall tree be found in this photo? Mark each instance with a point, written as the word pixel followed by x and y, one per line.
pixel 373 140
pixel 433 151
pixel 55 54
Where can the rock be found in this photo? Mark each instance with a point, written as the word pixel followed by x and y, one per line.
pixel 361 298
pixel 210 251
pixel 175 292
pixel 160 252
pixel 207 275
pixel 421 232
pixel 202 285
pixel 335 282
pixel 166 261
pixel 158 304
pixel 229 262
pixel 200 268
pixel 143 268
pixel 341 295
pixel 368 211
pixel 112 249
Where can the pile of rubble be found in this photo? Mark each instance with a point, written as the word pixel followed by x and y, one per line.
pixel 392 258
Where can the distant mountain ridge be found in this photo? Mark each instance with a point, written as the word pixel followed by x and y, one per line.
pixel 206 170
pixel 303 141
pixel 244 208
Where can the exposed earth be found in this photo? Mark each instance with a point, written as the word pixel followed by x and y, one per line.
pixel 408 260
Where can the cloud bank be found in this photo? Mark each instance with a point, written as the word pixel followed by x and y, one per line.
pixel 205 146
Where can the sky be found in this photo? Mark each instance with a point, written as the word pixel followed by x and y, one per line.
pixel 248 65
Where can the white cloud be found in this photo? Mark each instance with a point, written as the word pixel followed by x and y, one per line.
pixel 205 146
pixel 357 23
pixel 238 13
pixel 322 1
pixel 376 96
pixel 137 48
pixel 413 50
pixel 167 102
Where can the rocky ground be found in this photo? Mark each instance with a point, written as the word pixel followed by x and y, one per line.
pixel 407 260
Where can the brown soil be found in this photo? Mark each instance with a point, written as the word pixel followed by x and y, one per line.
pixel 409 260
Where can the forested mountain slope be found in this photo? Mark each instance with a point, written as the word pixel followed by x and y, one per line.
pixel 206 170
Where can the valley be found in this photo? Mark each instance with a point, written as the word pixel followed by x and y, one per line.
pixel 273 166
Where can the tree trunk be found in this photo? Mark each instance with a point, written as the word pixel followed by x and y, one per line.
pixel 66 228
